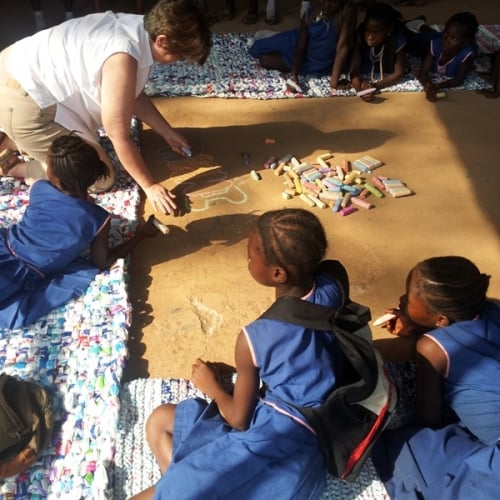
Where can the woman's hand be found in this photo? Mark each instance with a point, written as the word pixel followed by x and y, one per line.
pixel 204 378
pixel 160 198
pixel 177 142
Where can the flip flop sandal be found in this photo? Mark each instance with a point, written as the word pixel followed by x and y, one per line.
pixel 271 20
pixel 228 14
pixel 250 18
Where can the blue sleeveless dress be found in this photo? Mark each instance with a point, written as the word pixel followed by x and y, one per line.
pixel 450 69
pixel 461 460
pixel 321 47
pixel 278 456
pixel 41 267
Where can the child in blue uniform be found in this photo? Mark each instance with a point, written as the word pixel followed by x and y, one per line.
pixel 456 452
pixel 243 446
pixel 320 46
pixel 451 54
pixel 41 266
pixel 379 52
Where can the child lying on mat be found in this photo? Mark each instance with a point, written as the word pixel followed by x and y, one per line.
pixel 456 452
pixel 321 45
pixel 255 444
pixel 451 54
pixel 41 262
pixel 379 51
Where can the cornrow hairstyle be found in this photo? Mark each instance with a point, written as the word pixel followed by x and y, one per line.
pixel 293 239
pixel 185 27
pixel 467 20
pixel 453 286
pixel 76 164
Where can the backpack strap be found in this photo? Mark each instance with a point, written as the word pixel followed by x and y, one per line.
pixel 14 433
pixel 318 317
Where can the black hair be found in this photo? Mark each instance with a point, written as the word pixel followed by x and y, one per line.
pixel 389 18
pixel 453 286
pixel 467 20
pixel 294 239
pixel 383 14
pixel 76 164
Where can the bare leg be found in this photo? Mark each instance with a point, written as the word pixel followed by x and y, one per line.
pixel 273 60
pixel 159 434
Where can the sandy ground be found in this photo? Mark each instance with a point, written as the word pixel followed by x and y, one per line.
pixel 191 291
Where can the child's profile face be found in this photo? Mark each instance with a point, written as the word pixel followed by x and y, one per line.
pixel 413 306
pixel 257 265
pixel 376 33
pixel 454 38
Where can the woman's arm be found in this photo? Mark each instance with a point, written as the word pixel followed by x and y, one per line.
pixel 345 43
pixel 118 104
pixel 236 409
pixel 431 366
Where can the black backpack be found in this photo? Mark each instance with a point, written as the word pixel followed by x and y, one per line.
pixel 356 412
pixel 25 422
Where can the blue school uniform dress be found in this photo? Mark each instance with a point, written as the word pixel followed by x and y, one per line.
pixel 376 64
pixel 449 69
pixel 320 52
pixel 40 263
pixel 278 456
pixel 461 460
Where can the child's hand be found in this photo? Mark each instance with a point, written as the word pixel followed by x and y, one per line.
pixel 204 377
pixel 292 85
pixel 402 326
pixel 367 91
pixel 149 228
pixel 431 90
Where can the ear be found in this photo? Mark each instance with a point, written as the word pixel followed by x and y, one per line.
pixel 442 320
pixel 280 275
pixel 160 41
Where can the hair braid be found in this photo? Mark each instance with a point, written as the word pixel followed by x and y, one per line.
pixel 76 164
pixel 293 239
pixel 452 285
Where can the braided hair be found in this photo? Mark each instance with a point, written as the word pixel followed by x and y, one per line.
pixel 467 21
pixel 294 239
pixel 76 164
pixel 453 286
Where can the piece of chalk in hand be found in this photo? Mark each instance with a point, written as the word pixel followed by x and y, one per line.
pixel 160 226
pixel 186 151
pixel 383 319
pixel 361 93
pixel 294 85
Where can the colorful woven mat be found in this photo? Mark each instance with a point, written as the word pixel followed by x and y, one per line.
pixel 78 352
pixel 135 465
pixel 232 73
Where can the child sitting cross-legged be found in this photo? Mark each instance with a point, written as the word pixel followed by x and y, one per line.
pixel 254 443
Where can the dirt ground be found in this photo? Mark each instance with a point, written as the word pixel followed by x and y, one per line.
pixel 190 290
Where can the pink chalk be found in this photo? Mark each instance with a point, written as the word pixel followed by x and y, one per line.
pixel 347 210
